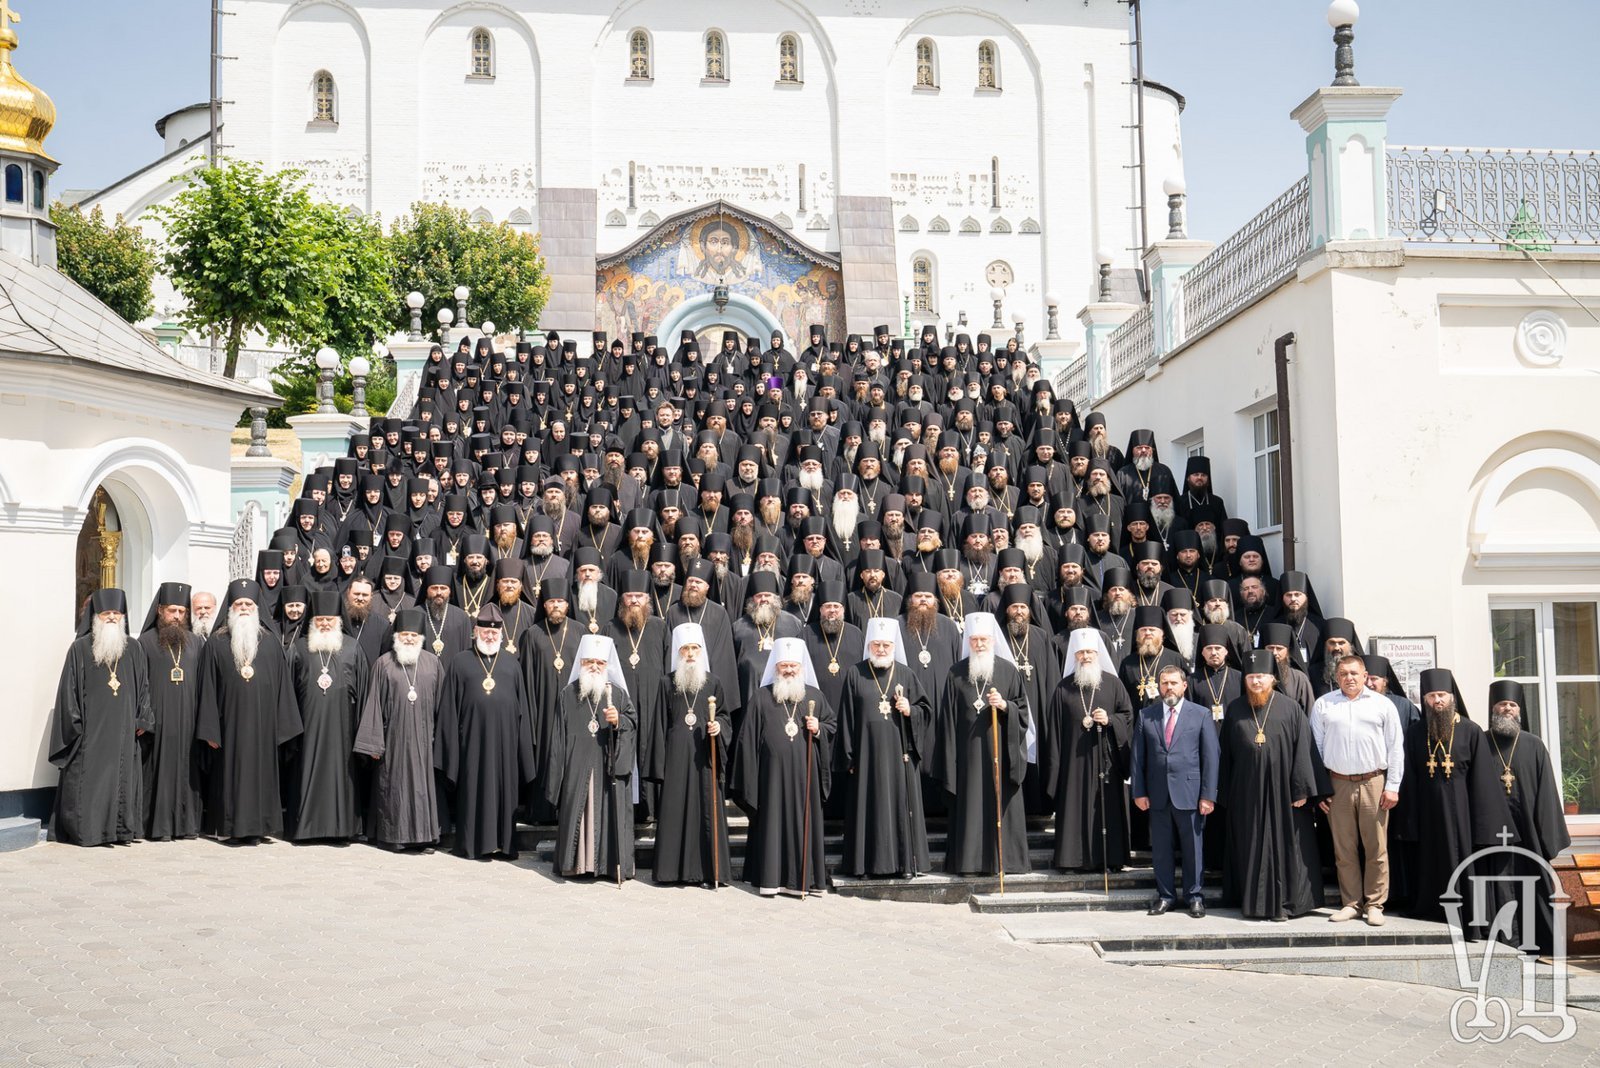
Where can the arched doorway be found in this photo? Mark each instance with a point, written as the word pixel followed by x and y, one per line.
pixel 700 314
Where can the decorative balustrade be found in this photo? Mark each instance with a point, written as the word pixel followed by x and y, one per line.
pixel 1254 261
pixel 1533 197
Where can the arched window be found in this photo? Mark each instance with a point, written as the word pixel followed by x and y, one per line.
pixel 38 190
pixel 323 98
pixel 988 68
pixel 639 56
pixel 14 183
pixel 789 59
pixel 927 65
pixel 716 56
pixel 482 54
pixel 922 283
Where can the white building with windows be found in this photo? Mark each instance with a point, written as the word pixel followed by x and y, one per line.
pixel 898 158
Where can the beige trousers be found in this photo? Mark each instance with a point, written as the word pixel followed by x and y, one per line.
pixel 1359 821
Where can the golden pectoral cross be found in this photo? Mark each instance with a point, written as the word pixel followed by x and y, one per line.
pixel 1433 765
pixel 1449 765
pixel 1508 778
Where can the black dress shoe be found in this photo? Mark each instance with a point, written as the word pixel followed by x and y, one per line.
pixel 1160 907
pixel 1197 908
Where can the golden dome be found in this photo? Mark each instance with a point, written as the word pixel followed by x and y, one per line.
pixel 26 113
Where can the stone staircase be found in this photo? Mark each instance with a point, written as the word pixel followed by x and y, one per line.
pixel 19 832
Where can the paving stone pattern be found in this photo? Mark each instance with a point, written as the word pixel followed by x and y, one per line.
pixel 196 953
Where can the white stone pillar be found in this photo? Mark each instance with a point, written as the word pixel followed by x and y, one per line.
pixel 1347 129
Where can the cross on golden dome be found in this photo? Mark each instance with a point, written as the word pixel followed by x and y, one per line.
pixel 27 114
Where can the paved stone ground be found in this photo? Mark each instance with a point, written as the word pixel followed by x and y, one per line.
pixel 196 953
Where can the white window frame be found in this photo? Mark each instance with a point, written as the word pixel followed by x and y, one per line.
pixel 933 66
pixel 933 283
pixel 649 56
pixel 799 54
pixel 333 99
pixel 994 66
pixel 705 58
pixel 1548 677
pixel 1269 410
pixel 472 55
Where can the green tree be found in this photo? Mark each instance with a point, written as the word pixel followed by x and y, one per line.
pixel 251 251
pixel 436 248
pixel 114 261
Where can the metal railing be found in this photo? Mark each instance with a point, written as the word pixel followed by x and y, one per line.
pixel 405 397
pixel 253 363
pixel 1537 197
pixel 247 532
pixel 1133 349
pixel 1256 259
pixel 1073 381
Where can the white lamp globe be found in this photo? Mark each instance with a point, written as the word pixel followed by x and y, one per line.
pixel 359 366
pixel 446 316
pixel 1052 299
pixel 997 294
pixel 414 300
pixel 1173 186
pixel 1343 13
pixel 488 328
pixel 462 292
pixel 327 358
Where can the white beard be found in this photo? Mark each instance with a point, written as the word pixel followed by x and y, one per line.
pixel 203 627
pixel 407 655
pixel 541 551
pixel 980 667
pixel 489 648
pixel 591 687
pixel 878 434
pixel 811 481
pixel 1221 614
pixel 690 678
pixel 244 635
pixel 845 514
pixel 1183 638
pixel 324 642
pixel 1163 517
pixel 882 663
pixel 588 596
pixel 110 641
pixel 1032 547
pixel 899 456
pixel 789 691
pixel 1208 544
pixel 1143 464
pixel 1087 676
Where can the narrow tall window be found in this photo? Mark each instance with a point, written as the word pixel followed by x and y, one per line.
pixel 632 183
pixel 38 190
pixel 988 76
pixel 926 75
pixel 14 183
pixel 716 57
pixel 482 54
pixel 921 284
pixel 639 56
pixel 789 58
pixel 994 181
pixel 322 98
pixel 802 187
pixel 1269 510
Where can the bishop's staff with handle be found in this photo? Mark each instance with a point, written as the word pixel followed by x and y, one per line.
pixel 613 719
pixel 711 740
pixel 1101 762
pixel 805 826
pixel 995 701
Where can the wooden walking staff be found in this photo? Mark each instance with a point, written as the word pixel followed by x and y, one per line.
pixel 1105 857
pixel 999 813
pixel 716 853
pixel 616 811
pixel 805 826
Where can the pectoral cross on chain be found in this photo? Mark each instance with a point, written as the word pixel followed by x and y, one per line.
pixel 1449 765
pixel 1508 778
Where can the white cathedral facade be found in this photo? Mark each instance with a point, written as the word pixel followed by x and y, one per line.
pixel 899 158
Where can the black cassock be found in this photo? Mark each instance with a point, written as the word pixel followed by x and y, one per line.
pixel 397 729
pixel 483 745
pixel 94 741
pixel 768 780
pixel 1084 770
pixel 1040 666
pixel 964 762
pixel 1540 826
pixel 677 754
pixel 586 776
pixel 880 756
pixel 752 650
pixel 717 626
pixel 174 790
pixel 547 656
pixel 1215 691
pixel 324 798
pixel 1273 866
pixel 246 720
pixel 645 679
pixel 1451 816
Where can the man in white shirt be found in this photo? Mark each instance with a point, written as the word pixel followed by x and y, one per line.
pixel 1357 731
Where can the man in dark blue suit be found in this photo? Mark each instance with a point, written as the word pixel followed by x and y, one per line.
pixel 1175 754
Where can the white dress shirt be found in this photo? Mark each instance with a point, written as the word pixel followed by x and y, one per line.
pixel 1359 736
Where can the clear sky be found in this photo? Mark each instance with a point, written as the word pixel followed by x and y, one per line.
pixel 1475 72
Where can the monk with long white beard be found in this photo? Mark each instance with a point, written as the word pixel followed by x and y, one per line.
pixel 247 710
pixel 102 706
pixel 592 760
pixel 690 718
pixel 396 732
pixel 329 674
pixel 773 765
pixel 984 698
pixel 483 742
pixel 1083 758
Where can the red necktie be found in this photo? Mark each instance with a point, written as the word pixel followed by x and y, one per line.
pixel 1172 723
